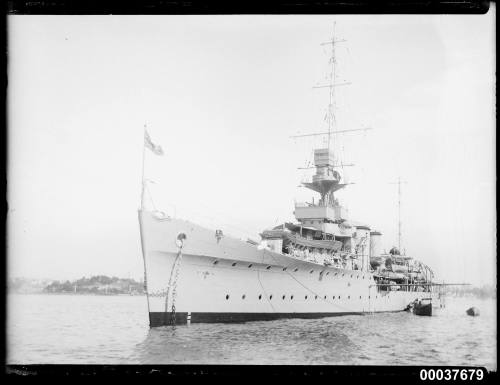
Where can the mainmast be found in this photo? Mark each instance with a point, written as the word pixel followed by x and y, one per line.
pixel 399 182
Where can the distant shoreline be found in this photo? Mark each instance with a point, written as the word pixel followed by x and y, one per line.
pixel 94 285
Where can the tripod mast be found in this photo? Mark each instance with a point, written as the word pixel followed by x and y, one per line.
pixel 399 182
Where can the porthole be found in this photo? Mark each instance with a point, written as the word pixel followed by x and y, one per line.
pixel 359 297
pixel 348 297
pixel 243 296
pixel 312 271
pixel 327 272
pixel 227 296
pixel 249 265
pixel 325 297
pixel 271 296
pixel 216 262
pixel 233 264
pixel 351 275
pixel 339 296
pixel 260 296
pixel 357 277
pixel 336 273
pixel 333 297
pixel 291 297
pixel 369 297
pixel 305 297
pixel 268 267
pixel 315 297
pixel 343 275
pixel 283 297
pixel 363 277
pixel 284 269
pixel 295 270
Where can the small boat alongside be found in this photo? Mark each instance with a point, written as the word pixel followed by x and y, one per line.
pixel 423 307
pixel 473 311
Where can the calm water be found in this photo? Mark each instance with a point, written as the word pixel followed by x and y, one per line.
pixel 77 329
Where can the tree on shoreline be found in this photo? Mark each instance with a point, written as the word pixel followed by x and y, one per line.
pixel 100 284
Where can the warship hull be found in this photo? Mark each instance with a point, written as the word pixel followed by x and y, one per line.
pixel 224 279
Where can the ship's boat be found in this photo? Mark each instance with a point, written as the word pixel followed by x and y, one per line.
pixel 377 261
pixel 423 307
pixel 399 269
pixel 390 275
pixel 296 240
pixel 397 264
pixel 473 311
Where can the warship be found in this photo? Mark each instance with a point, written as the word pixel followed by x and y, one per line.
pixel 322 264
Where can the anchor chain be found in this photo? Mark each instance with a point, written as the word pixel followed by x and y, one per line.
pixel 174 287
pixel 172 284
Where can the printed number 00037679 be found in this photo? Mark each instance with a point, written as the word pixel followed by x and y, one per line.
pixel 451 374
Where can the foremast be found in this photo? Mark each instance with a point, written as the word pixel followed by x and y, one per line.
pixel 327 215
pixel 328 177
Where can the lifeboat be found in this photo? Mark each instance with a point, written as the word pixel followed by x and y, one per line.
pixel 375 262
pixel 399 268
pixel 298 241
pixel 391 275
pixel 416 275
pixel 398 264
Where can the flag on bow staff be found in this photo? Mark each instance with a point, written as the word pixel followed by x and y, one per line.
pixel 149 144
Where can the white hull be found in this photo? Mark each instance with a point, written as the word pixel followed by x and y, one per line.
pixel 229 280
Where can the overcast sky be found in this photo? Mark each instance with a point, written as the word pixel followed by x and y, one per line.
pixel 222 95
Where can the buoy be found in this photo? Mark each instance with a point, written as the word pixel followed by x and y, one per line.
pixel 473 311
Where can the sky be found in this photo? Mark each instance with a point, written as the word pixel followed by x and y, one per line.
pixel 223 95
